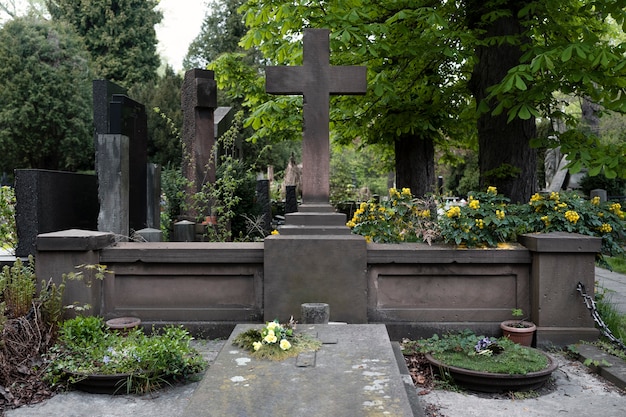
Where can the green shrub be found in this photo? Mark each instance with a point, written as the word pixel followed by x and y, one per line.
pixel 18 286
pixel 8 229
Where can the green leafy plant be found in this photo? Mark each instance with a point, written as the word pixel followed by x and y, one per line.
pixel 401 218
pixel 18 287
pixel 479 353
pixel 276 341
pixel 86 347
pixel 8 229
pixel 486 220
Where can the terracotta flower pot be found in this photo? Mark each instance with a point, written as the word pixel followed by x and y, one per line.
pixel 519 331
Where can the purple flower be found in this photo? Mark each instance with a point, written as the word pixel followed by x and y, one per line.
pixel 482 344
pixel 106 360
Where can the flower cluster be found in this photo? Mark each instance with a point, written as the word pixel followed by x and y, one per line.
pixel 400 218
pixel 273 333
pixel 484 220
pixel 488 219
pixel 276 341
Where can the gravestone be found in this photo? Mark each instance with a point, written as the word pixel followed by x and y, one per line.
pixel 315 258
pixel 316 80
pixel 50 201
pixel 199 101
pixel 355 373
pixel 117 115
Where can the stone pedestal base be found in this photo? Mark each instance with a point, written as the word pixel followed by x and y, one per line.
pixel 315 219
pixel 315 269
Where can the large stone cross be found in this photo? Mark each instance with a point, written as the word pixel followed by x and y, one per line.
pixel 316 79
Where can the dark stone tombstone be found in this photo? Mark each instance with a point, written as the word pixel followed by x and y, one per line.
pixel 291 199
pixel 198 100
pixel 128 118
pixel 51 201
pixel 316 80
pixel 103 91
pixel 263 201
pixel 115 113
pixel 315 257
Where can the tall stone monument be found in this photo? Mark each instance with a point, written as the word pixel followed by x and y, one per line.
pixel 316 259
pixel 199 101
pixel 316 80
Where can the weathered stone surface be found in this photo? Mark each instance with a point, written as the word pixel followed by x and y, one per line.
pixel 325 269
pixel 361 368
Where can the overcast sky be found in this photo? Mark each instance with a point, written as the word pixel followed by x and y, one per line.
pixel 181 23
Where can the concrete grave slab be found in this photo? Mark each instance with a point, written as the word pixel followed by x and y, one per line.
pixel 356 376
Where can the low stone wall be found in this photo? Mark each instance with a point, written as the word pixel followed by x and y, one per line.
pixel 415 289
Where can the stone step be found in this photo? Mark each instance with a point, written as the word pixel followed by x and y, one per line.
pixel 355 373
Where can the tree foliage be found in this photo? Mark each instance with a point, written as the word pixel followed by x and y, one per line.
pixel 119 35
pixel 221 31
pixel 45 97
pixel 165 117
pixel 422 54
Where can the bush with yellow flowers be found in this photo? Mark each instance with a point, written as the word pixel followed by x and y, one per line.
pixel 569 212
pixel 400 218
pixel 489 218
pixel 485 220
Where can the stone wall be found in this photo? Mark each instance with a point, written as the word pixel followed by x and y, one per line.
pixel 415 289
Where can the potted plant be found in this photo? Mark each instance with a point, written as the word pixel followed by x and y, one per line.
pixel 519 330
pixel 94 358
pixel 484 364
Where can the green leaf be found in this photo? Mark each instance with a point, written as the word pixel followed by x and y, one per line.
pixel 566 55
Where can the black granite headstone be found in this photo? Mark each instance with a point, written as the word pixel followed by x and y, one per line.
pixel 51 201
pixel 291 199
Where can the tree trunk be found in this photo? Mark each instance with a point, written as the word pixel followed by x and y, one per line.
pixel 506 159
pixel 415 164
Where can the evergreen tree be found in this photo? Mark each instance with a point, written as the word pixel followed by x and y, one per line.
pixel 45 97
pixel 119 35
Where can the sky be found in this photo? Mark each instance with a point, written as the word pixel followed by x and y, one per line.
pixel 182 20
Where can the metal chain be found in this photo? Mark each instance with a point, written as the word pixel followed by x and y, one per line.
pixel 591 306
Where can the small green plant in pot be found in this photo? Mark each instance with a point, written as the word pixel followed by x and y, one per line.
pixel 88 351
pixel 519 330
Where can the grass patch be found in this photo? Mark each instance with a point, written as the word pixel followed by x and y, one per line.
pixel 478 353
pixel 617 263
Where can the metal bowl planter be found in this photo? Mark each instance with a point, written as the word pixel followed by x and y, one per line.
pixel 519 331
pixel 495 382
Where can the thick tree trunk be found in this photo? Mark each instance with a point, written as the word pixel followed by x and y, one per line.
pixel 415 164
pixel 506 159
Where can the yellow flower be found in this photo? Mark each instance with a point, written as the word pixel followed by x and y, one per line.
pixel 480 223
pixel 595 201
pixel 271 337
pixel 368 239
pixel 424 213
pixel 257 345
pixel 536 197
pixel 285 345
pixel 572 216
pixel 474 204
pixel 454 211
pixel 500 214
pixel 545 220
pixel 406 192
pixel 275 232
pixel 271 325
pixel 554 196
pixel 606 228
pixel 351 224
pixel 492 190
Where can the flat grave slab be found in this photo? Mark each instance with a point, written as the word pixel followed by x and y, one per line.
pixel 354 373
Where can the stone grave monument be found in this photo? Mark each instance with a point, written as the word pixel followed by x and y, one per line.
pixel 315 258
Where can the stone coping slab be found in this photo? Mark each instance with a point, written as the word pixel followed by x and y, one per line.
pixel 353 374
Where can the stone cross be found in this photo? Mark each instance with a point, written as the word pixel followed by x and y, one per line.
pixel 316 79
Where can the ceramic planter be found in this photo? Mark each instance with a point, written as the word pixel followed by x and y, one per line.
pixel 519 331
